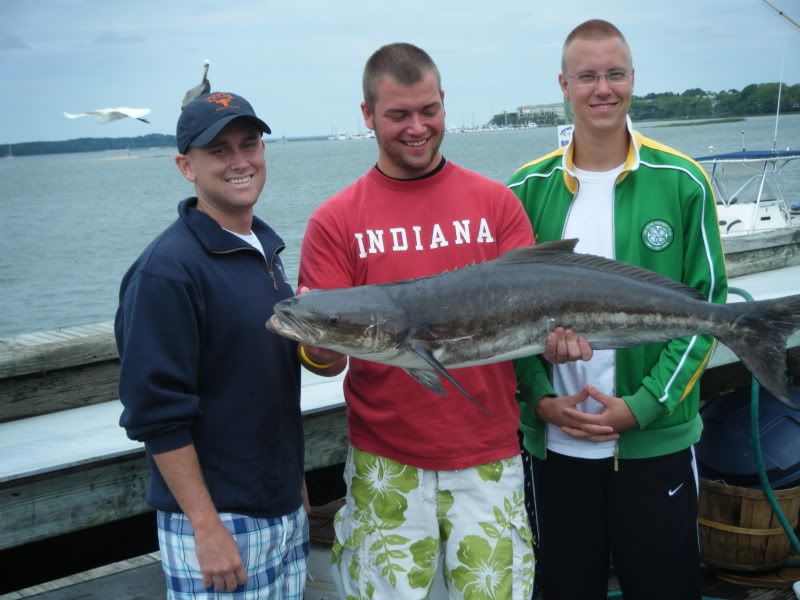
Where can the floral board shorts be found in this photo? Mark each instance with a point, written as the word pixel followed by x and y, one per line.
pixel 400 523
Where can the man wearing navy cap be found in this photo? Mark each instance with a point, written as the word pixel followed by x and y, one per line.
pixel 214 396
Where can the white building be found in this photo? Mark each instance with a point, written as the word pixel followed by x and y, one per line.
pixel 543 112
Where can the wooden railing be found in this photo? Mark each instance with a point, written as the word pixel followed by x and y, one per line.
pixel 54 383
pixel 762 251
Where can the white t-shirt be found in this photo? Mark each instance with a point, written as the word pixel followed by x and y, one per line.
pixel 591 220
pixel 251 238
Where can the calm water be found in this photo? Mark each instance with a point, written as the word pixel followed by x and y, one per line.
pixel 73 223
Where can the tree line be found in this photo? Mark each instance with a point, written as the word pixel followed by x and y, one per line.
pixel 755 99
pixel 151 140
pixel 695 103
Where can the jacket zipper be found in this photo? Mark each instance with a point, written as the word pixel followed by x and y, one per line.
pixel 269 265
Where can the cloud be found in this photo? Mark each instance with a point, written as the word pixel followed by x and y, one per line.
pixel 301 62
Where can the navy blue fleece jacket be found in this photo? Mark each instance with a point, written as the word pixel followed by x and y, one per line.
pixel 198 366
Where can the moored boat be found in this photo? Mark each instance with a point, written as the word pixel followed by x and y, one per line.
pixel 750 190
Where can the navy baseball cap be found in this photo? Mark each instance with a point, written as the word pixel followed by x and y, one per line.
pixel 205 116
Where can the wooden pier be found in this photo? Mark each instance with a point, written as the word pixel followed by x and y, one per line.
pixel 65 464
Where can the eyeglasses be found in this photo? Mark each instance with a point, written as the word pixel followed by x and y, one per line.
pixel 615 77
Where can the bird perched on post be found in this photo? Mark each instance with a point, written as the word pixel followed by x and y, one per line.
pixel 204 87
pixel 106 115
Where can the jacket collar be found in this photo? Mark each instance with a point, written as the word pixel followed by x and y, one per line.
pixel 215 239
pixel 631 161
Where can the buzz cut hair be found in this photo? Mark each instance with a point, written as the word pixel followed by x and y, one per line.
pixel 594 30
pixel 405 63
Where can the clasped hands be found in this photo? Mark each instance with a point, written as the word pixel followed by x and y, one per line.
pixel 564 346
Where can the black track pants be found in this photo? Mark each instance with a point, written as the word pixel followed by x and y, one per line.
pixel 643 517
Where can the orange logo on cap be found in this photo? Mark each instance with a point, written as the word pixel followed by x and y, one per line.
pixel 224 100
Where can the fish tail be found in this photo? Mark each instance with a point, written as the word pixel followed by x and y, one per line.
pixel 758 336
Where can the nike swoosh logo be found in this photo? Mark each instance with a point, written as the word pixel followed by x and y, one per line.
pixel 674 491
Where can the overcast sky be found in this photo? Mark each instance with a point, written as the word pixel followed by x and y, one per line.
pixel 300 62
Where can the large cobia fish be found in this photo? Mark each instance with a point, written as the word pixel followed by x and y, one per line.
pixel 504 309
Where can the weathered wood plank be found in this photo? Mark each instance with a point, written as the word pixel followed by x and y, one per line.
pixel 79 585
pixel 42 393
pixel 67 500
pixel 72 499
pixel 761 251
pixel 762 239
pixel 42 352
pixel 766 259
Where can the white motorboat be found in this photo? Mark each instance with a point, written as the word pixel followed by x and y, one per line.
pixel 750 190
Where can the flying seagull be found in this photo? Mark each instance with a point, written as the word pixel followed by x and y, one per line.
pixel 201 88
pixel 106 115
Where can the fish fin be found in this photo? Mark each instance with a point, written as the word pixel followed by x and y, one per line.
pixel 439 368
pixel 540 251
pixel 562 252
pixel 758 337
pixel 427 378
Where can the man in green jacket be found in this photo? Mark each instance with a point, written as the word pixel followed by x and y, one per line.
pixel 612 437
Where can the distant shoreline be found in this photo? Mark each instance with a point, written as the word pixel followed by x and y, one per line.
pixel 106 144
pixel 685 123
pixel 150 141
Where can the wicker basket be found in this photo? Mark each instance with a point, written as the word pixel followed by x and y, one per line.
pixel 739 529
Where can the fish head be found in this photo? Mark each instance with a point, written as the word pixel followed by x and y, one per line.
pixel 353 321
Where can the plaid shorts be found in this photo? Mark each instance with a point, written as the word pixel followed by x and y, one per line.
pixel 273 550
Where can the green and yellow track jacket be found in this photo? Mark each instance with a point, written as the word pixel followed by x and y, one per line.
pixel 665 220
